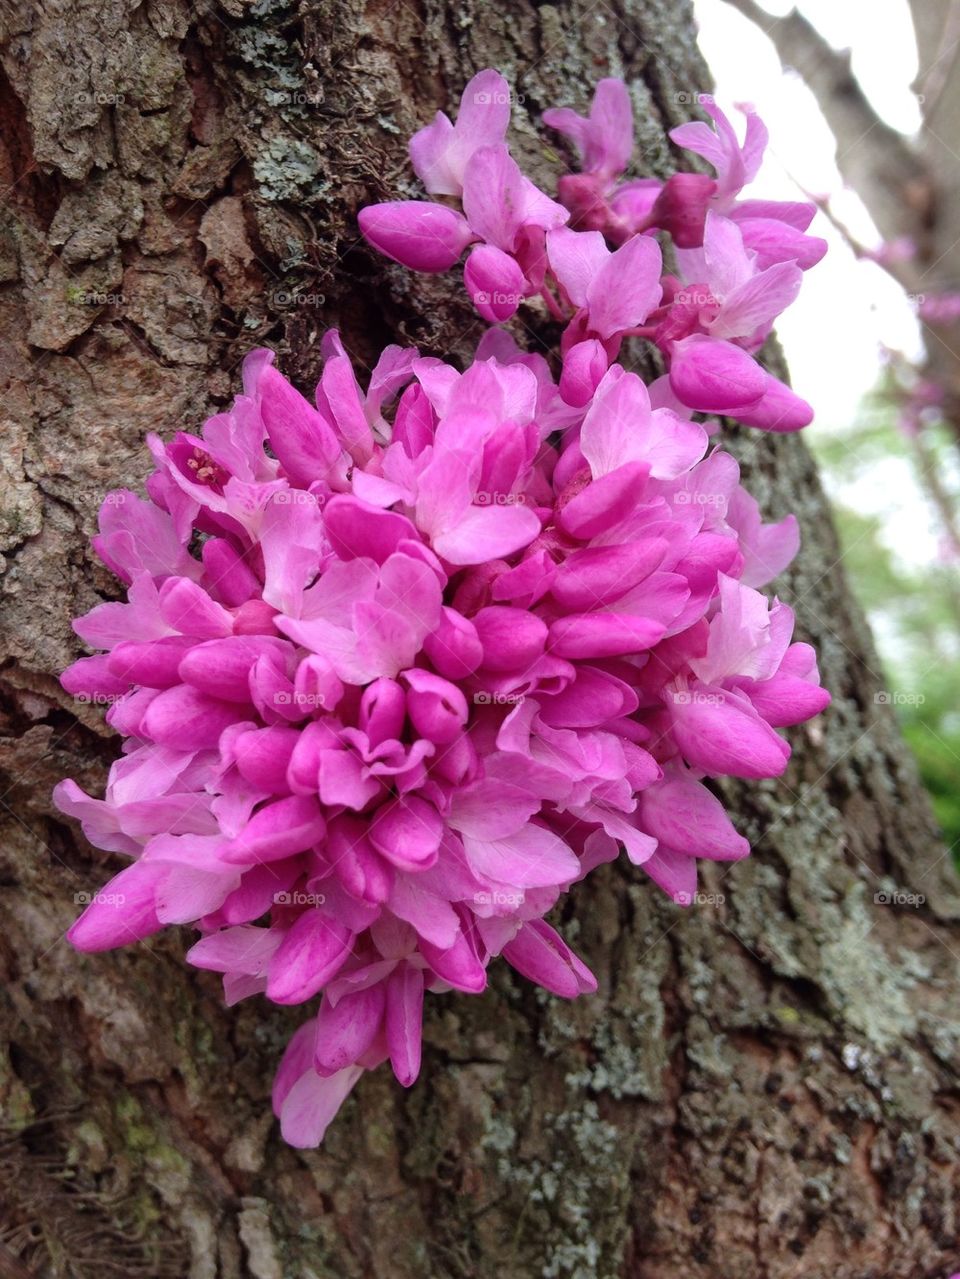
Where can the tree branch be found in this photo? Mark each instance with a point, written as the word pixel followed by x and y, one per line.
pixel 876 160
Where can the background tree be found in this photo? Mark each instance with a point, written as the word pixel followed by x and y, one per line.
pixel 767 1086
pixel 909 186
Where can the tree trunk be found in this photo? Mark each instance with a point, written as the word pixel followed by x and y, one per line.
pixel 765 1086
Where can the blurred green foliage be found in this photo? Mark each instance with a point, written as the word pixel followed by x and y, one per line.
pixel 892 495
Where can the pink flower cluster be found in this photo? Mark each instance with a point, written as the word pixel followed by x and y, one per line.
pixel 399 666
pixel 740 262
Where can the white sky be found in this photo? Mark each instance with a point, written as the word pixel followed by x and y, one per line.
pixel 848 309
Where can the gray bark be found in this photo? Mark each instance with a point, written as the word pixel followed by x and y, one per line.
pixel 765 1088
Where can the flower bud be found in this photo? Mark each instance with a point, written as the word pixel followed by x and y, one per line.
pixel 416 233
pixel 494 282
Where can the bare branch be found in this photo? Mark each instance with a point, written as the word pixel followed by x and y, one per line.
pixel 879 163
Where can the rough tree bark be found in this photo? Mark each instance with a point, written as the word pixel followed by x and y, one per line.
pixel 767 1087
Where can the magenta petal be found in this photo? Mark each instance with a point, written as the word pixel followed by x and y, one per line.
pixel 242 949
pixel 357 530
pixel 361 869
pixel 498 200
pixel 681 208
pixel 312 1103
pixel 416 233
pixel 714 376
pixel 512 638
pixel 302 439
pixel 715 733
pixel 345 1032
pixel 592 699
pixel 453 646
pixel 187 719
pixel 259 890
pixel 263 756
pixel 487 533
pixel 603 635
pixel 676 873
pixel 757 301
pixel 605 137
pixel 313 950
pixel 786 699
pixel 599 575
pixel 606 502
pixel 458 965
pixel 407 832
pixel 773 240
pixel 778 409
pixel 122 912
pixel 434 918
pixel 383 708
pixel 541 954
pixel 404 1022
pixel 583 368
pixel 188 608
pixel 221 667
pixel 626 288
pixel 343 779
pixel 576 258
pixel 279 830
pixel 685 816
pixel 154 664
pixel 494 282
pixel 534 857
pixel 491 809
pixel 297 1059
pixel 437 709
pixel 440 151
pixel 230 576
pixel 94 679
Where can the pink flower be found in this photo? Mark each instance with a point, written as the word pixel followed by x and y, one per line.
pixel 501 208
pixel 604 138
pixel 441 152
pixel 613 291
pixel 416 233
pixel 396 669
pixel 736 163
pixel 741 261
